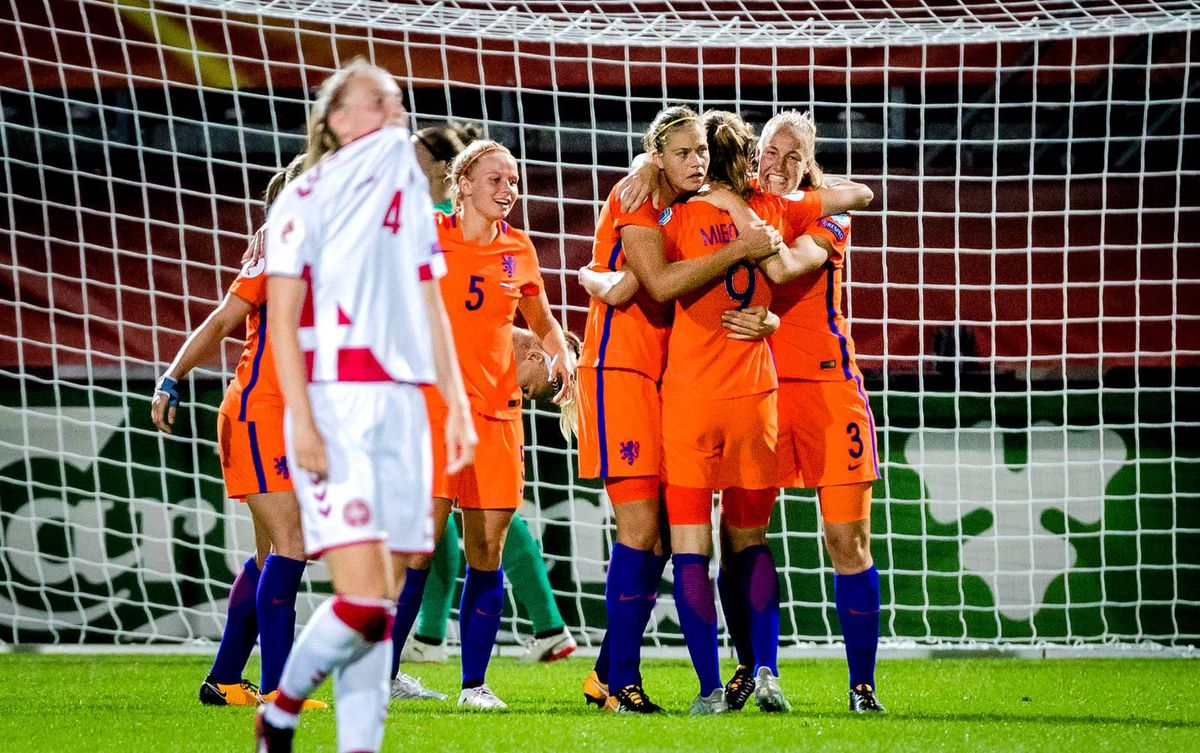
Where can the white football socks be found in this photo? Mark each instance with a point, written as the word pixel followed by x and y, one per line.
pixel 325 644
pixel 360 699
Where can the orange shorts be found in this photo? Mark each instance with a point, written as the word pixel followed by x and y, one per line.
pixel 253 453
pixel 499 461
pixel 718 444
pixel 827 431
pixel 620 424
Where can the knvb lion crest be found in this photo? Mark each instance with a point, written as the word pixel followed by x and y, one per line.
pixel 510 265
pixel 630 450
pixel 281 468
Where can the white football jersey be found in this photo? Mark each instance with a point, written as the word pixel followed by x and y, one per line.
pixel 358 227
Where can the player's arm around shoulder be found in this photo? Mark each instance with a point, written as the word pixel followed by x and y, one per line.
pixel 840 195
pixel 460 430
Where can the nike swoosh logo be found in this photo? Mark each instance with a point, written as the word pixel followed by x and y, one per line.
pixel 218 690
pixel 628 597
pixel 482 613
pixel 853 467
pixel 277 602
pixel 862 614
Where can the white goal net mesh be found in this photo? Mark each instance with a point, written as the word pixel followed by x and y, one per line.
pixel 1024 293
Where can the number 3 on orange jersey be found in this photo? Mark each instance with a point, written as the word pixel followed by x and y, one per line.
pixel 856 449
pixel 391 220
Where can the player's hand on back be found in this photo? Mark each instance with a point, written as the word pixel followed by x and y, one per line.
pixel 460 440
pixel 309 448
pixel 750 323
pixel 163 404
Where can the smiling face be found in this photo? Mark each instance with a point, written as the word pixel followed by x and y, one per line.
pixel 683 158
pixel 490 188
pixel 369 101
pixel 782 157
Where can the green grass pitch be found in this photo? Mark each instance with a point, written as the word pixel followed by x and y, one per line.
pixel 124 704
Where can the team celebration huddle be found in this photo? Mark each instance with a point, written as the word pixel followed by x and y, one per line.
pixel 389 390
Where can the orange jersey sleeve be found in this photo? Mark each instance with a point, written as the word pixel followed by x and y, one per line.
pixel 631 336
pixel 813 341
pixel 702 362
pixel 791 215
pixel 481 289
pixel 254 382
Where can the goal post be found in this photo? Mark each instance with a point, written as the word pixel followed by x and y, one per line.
pixel 1024 292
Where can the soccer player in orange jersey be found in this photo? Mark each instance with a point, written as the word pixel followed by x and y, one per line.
pixel 825 420
pixel 620 430
pixel 425 602
pixel 492 271
pixel 735 459
pixel 719 422
pixel 262 599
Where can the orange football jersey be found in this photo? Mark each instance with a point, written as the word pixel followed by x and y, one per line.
pixel 813 341
pixel 480 290
pixel 703 362
pixel 254 382
pixel 631 336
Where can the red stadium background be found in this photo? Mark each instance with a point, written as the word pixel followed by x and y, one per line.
pixel 1060 275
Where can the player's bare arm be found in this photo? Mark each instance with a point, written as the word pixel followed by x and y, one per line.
pixel 460 431
pixel 843 195
pixel 541 321
pixel 283 318
pixel 644 251
pixel 807 252
pixel 201 344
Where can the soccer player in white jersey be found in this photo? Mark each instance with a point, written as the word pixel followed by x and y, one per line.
pixel 359 323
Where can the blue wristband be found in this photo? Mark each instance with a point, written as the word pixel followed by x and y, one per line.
pixel 167 385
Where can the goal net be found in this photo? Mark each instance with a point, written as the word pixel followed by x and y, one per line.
pixel 1024 292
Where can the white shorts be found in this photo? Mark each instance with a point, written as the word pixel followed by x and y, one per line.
pixel 380 469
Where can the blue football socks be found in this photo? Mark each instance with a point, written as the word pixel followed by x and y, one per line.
pixel 857 599
pixel 408 605
pixel 626 599
pixel 760 589
pixel 697 609
pixel 479 621
pixel 241 628
pixel 276 604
